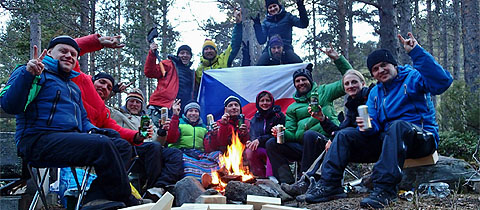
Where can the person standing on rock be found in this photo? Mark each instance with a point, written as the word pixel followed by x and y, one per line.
pixel 403 125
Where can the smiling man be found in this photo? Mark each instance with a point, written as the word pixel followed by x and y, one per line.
pixel 175 80
pixel 53 129
pixel 302 131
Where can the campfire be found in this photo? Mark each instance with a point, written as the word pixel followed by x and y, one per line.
pixel 231 166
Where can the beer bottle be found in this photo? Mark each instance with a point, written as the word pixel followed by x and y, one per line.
pixel 314 102
pixel 144 125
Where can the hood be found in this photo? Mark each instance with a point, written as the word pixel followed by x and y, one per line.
pixel 278 16
pixel 177 61
pixel 260 110
pixel 305 98
pixel 52 66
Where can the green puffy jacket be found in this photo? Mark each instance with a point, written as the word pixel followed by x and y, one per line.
pixel 190 137
pixel 225 59
pixel 298 120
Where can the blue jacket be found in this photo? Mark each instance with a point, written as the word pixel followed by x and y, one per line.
pixel 187 89
pixel 261 125
pixel 408 96
pixel 281 24
pixel 57 106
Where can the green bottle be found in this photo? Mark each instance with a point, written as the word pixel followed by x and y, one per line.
pixel 314 102
pixel 144 125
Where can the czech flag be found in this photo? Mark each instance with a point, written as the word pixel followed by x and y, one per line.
pixel 245 83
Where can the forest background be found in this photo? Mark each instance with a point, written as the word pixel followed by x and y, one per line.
pixel 448 29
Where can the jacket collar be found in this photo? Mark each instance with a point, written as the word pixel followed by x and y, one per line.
pixel 52 66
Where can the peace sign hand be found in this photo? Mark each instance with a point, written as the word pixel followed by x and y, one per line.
pixel 331 53
pixel 409 43
pixel 35 66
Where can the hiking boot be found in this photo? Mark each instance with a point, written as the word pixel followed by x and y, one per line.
pixel 102 204
pixel 324 193
pixel 379 198
pixel 311 187
pixel 297 188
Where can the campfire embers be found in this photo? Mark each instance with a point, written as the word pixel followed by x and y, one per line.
pixel 231 166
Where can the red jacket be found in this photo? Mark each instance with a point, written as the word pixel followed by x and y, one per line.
pixel 167 80
pixel 97 112
pixel 223 138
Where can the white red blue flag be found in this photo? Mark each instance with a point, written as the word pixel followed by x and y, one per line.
pixel 245 83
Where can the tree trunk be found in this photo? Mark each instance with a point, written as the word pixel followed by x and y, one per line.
pixel 92 31
pixel 35 32
pixel 164 28
pixel 350 30
pixel 84 25
pixel 147 19
pixel 444 33
pixel 417 23
pixel 117 52
pixel 429 46
pixel 314 34
pixel 471 42
pixel 388 38
pixel 341 27
pixel 404 21
pixel 457 41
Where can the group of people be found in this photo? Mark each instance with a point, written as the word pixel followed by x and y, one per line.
pixel 62 118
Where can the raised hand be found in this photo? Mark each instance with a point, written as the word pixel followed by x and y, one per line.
pixel 176 106
pixel 225 118
pixel 409 43
pixel 317 115
pixel 35 66
pixel 111 41
pixel 238 15
pixel 330 52
pixel 153 46
pixel 256 20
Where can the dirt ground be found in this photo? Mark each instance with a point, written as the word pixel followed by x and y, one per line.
pixel 458 201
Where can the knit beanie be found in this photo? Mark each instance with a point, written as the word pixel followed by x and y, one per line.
pixel 381 55
pixel 269 2
pixel 209 43
pixel 230 99
pixel 303 72
pixel 136 94
pixel 64 40
pixel 184 47
pixel 103 75
pixel 275 40
pixel 191 105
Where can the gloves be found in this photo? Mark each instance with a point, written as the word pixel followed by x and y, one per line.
pixel 246 53
pixel 106 132
pixel 256 20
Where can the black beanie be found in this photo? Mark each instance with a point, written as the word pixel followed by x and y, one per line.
pixel 184 47
pixel 64 40
pixel 377 56
pixel 304 72
pixel 268 2
pixel 103 75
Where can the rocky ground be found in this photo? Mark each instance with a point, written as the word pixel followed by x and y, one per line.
pixel 458 201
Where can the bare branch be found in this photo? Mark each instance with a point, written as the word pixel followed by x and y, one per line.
pixel 369 3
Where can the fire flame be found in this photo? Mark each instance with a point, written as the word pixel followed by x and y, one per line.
pixel 232 161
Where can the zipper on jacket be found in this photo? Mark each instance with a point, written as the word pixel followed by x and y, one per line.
pixel 54 107
pixel 74 104
pixel 194 137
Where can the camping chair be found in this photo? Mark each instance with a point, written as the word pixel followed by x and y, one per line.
pixel 39 180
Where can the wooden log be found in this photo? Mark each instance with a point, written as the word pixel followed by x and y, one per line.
pixel 147 206
pixel 164 203
pixel 428 160
pixel 217 206
pixel 259 201
pixel 277 207
pixel 218 199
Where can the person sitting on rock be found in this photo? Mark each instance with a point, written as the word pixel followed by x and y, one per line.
pixel 403 125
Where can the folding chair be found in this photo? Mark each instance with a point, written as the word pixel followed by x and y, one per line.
pixel 39 180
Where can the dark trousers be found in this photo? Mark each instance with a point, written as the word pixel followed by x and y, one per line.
pixel 389 150
pixel 288 57
pixel 159 166
pixel 280 155
pixel 107 155
pixel 313 145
